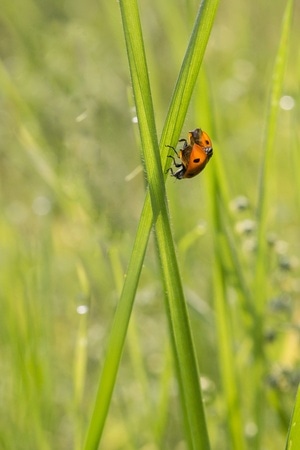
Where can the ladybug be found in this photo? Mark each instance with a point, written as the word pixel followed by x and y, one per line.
pixel 194 155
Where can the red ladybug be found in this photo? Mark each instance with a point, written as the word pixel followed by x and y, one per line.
pixel 194 155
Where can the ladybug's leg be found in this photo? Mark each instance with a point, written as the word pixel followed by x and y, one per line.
pixel 170 146
pixel 174 161
pixel 185 142
pixel 179 174
pixel 170 170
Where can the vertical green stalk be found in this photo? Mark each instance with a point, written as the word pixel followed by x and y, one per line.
pixel 187 373
pixel 261 275
pixel 268 145
pixel 225 338
pixel 174 121
pixel 293 439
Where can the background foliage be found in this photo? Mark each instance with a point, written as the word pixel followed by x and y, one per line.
pixel 71 196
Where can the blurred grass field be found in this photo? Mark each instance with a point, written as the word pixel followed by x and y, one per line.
pixel 71 197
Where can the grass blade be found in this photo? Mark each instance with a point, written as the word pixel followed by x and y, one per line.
pixel 173 125
pixel 268 144
pixel 293 439
pixel 259 282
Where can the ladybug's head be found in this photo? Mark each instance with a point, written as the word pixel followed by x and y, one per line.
pixel 201 138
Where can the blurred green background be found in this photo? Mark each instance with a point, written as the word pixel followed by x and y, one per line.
pixel 72 189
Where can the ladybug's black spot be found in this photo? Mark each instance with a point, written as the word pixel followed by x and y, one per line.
pixel 196 160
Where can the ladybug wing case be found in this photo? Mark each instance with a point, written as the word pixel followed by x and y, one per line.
pixel 197 161
pixel 185 154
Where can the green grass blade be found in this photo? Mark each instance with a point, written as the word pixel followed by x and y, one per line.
pixel 227 361
pixel 225 337
pixel 261 275
pixel 269 140
pixel 188 75
pixel 225 248
pixel 293 439
pixel 191 399
pixel 80 356
pixel 118 332
pixel 174 122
